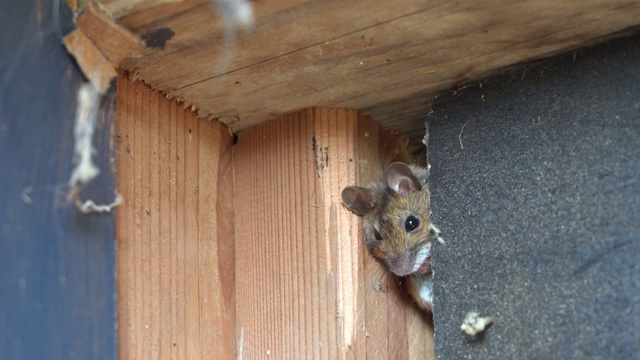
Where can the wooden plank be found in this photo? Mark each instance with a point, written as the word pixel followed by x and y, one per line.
pixel 93 64
pixel 114 41
pixel 164 162
pixel 56 265
pixel 99 44
pixel 174 231
pixel 387 59
pixel 305 284
pixel 125 264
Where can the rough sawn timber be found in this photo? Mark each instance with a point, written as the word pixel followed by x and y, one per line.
pixel 174 230
pixel 306 288
pixel 384 58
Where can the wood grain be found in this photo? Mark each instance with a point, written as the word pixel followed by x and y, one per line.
pixel 90 60
pixel 305 285
pixel 386 59
pixel 115 42
pixel 175 274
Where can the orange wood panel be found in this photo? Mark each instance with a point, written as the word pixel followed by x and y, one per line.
pixel 306 287
pixel 175 273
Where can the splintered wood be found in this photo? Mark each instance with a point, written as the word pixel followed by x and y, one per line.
pixel 305 285
pixel 99 44
pixel 175 272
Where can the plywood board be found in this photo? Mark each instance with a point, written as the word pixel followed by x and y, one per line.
pixel 306 286
pixel 175 273
pixel 385 58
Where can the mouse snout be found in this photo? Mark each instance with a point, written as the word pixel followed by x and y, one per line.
pixel 403 265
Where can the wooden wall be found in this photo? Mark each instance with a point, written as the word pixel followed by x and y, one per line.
pixel 174 231
pixel 249 253
pixel 305 283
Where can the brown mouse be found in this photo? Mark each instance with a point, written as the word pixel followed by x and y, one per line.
pixel 395 218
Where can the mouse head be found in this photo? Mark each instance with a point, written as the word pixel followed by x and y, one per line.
pixel 395 217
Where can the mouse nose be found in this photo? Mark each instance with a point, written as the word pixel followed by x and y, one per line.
pixel 403 265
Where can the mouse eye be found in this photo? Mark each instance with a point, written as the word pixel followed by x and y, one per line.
pixel 411 223
pixel 377 235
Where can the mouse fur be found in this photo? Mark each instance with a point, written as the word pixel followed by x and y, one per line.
pixel 395 215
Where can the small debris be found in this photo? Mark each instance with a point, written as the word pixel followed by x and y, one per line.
pixel 234 14
pixel 89 99
pixel 25 195
pixel 474 324
pixel 89 206
pixel 460 135
pixel 86 120
pixel 435 231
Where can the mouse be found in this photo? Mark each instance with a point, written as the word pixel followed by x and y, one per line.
pixel 397 229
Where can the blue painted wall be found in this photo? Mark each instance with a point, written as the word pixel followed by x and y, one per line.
pixel 57 280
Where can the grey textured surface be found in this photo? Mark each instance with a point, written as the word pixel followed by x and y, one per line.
pixel 535 184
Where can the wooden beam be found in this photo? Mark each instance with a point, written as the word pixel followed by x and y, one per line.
pixel 90 60
pixel 99 44
pixel 385 58
pixel 306 287
pixel 114 41
pixel 175 273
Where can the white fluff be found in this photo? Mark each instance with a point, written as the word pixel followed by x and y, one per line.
pixel 86 120
pixel 426 292
pixel 421 257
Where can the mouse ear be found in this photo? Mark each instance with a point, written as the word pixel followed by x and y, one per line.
pixel 401 179
pixel 358 199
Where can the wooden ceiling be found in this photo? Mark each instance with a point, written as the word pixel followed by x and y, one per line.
pixel 384 58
